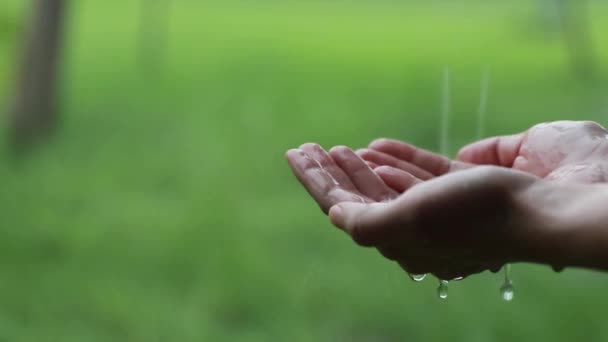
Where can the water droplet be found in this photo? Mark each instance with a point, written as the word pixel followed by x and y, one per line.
pixel 507 291
pixel 417 277
pixel 458 278
pixel 442 290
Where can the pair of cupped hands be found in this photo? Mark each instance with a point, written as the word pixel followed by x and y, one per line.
pixel 503 199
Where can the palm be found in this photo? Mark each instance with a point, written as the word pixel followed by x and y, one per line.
pixel 564 151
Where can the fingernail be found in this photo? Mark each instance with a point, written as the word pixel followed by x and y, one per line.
pixel 335 215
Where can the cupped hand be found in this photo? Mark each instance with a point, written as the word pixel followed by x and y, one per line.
pixel 337 176
pixel 569 151
pixel 452 226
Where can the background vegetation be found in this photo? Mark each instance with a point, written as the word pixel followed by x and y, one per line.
pixel 162 208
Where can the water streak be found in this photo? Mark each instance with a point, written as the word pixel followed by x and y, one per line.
pixel 483 102
pixel 444 139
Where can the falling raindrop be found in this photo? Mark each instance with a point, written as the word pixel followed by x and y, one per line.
pixel 442 290
pixel 506 290
pixel 444 139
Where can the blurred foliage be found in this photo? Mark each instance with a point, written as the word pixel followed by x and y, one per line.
pixel 163 209
pixel 11 19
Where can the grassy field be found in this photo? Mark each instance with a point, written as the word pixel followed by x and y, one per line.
pixel 162 210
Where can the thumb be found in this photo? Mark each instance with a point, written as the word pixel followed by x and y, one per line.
pixel 367 223
pixel 499 151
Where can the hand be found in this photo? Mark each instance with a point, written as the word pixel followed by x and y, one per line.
pixel 337 176
pixel 461 223
pixel 478 219
pixel 568 151
pixel 452 226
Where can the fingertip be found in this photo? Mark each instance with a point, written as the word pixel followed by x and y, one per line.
pixel 464 153
pixel 361 151
pixel 310 146
pixel 378 142
pixel 292 153
pixel 340 152
pixel 339 148
pixel 386 169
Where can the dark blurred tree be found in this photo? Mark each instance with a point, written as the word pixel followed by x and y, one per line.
pixel 153 33
pixel 574 19
pixel 33 112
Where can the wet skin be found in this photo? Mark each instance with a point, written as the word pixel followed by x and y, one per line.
pixel 411 205
pixel 571 151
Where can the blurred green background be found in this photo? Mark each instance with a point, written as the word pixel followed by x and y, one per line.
pixel 162 208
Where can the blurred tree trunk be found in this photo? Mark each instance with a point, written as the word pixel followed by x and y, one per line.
pixel 153 33
pixel 33 111
pixel 576 28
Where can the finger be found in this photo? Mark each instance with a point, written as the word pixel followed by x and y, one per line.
pixel 500 151
pixel 396 179
pixel 364 178
pixel 381 158
pixel 327 162
pixel 426 160
pixel 318 182
pixel 371 165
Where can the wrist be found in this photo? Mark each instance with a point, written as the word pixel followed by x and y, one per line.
pixel 564 224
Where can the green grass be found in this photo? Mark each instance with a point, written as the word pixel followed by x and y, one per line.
pixel 163 209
